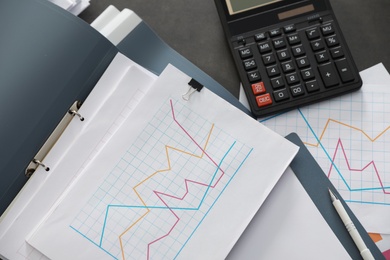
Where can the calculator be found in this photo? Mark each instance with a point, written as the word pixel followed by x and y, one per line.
pixel 288 53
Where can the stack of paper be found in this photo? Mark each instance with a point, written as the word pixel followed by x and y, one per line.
pixel 147 174
pixel 73 6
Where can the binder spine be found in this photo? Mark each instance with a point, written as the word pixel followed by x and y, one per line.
pixel 37 161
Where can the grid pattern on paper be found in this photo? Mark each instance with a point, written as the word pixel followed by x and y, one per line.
pixel 163 187
pixel 349 136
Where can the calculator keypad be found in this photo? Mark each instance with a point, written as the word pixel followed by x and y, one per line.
pixel 288 63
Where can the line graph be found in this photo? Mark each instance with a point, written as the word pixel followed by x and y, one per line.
pixel 360 170
pixel 161 190
pixel 349 137
pixel 330 120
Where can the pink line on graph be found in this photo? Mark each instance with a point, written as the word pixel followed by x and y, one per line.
pixel 185 131
pixel 340 143
pixel 186 184
pixel 386 254
pixel 170 230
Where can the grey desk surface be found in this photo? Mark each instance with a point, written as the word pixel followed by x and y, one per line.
pixel 193 29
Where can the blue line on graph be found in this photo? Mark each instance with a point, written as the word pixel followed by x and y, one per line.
pixel 333 163
pixel 162 207
pixel 93 242
pixel 366 202
pixel 212 205
pixel 330 159
pixel 323 148
pixel 174 208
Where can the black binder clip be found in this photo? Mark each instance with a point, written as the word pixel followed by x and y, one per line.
pixel 194 86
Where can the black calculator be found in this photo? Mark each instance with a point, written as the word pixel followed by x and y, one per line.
pixel 288 53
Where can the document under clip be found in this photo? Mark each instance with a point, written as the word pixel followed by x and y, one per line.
pixel 194 86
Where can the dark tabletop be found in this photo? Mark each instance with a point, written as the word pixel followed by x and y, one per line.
pixel 194 30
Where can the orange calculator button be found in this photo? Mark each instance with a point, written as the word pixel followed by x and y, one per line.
pixel 264 100
pixel 258 88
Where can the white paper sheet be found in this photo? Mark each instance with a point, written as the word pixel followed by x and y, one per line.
pixel 288 226
pixel 179 179
pixel 116 28
pixel 376 75
pixel 77 146
pixel 73 6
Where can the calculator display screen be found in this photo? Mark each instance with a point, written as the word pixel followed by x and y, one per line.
pixel 296 11
pixel 237 6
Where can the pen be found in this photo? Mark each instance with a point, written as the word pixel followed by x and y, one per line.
pixel 364 251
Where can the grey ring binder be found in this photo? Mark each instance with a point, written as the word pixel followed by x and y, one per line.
pixel 49 59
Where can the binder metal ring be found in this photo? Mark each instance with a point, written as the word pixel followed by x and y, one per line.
pixel 41 164
pixel 75 113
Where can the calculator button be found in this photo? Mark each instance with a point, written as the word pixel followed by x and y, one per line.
pixel 322 57
pixel 258 88
pixel 277 83
pixel 292 78
pixel 312 86
pixel 327 29
pixel 273 71
pixel 254 76
pixel 283 55
pixel 317 45
pixel 269 59
pixel 288 67
pixel 332 41
pixel 280 95
pixel 337 53
pixel 303 62
pixel 289 28
pixel 293 39
pixel 245 53
pixel 260 36
pixel 307 74
pixel 312 33
pixel 279 43
pixel 297 90
pixel 275 32
pixel 264 47
pixel 328 75
pixel 298 50
pixel 241 40
pixel 264 100
pixel 344 70
pixel 250 64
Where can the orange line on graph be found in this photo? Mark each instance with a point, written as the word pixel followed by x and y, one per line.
pixel 375 237
pixel 349 126
pixel 167 148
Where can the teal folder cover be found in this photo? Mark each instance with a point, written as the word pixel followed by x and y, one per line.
pixel 145 47
pixel 48 59
pixel 316 184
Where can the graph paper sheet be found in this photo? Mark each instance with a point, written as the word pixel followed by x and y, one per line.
pixel 180 179
pixel 350 139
